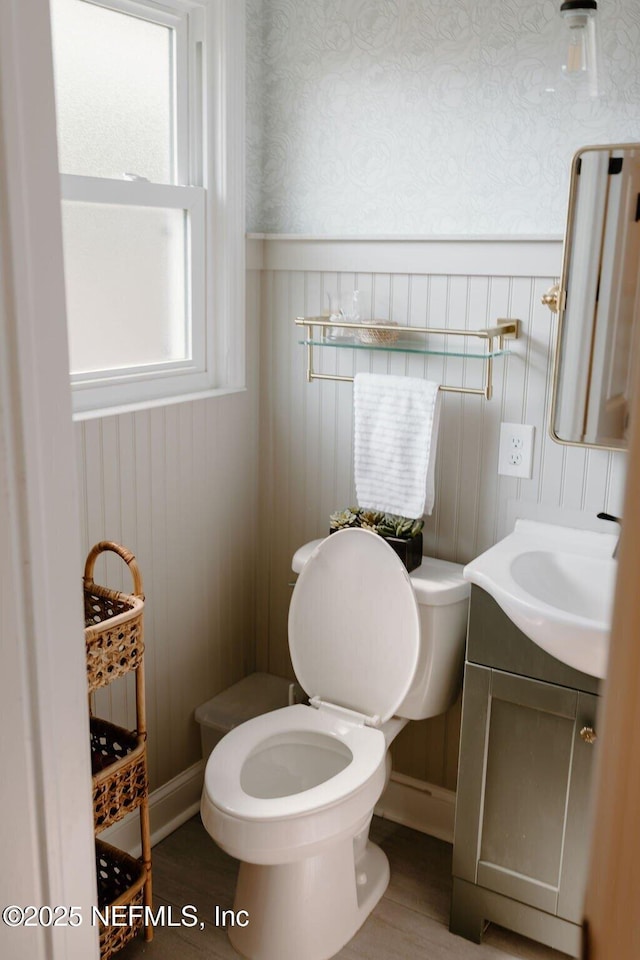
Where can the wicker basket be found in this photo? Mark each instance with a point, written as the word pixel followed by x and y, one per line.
pixel 121 882
pixel 379 338
pixel 119 767
pixel 113 621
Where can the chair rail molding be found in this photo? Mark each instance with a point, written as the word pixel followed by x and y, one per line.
pixel 517 256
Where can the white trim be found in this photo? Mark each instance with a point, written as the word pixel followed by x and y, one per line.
pixel 138 193
pixel 46 797
pixel 196 38
pixel 124 374
pixel 419 805
pixel 415 238
pixel 464 256
pixel 224 104
pixel 183 118
pixel 160 402
pixel 254 253
pixel 170 806
pixel 410 802
pixel 146 10
pixel 155 390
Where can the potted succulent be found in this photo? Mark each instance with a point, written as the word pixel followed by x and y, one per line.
pixel 402 534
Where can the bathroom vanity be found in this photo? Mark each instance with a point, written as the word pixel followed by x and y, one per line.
pixel 526 760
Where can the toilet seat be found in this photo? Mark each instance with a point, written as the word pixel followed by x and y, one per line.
pixel 346 648
pixel 223 775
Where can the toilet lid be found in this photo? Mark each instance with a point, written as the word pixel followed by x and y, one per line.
pixel 354 625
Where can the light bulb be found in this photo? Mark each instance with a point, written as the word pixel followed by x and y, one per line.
pixel 576 59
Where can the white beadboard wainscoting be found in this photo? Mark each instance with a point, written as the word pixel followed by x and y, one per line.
pixel 306 428
pixel 178 485
pixel 214 495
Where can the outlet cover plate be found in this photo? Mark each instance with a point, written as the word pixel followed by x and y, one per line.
pixel 515 457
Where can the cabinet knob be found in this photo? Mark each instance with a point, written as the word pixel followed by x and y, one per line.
pixel 588 734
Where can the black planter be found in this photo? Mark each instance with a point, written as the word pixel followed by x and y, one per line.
pixel 409 551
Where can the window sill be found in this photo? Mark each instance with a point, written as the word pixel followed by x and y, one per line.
pixel 150 404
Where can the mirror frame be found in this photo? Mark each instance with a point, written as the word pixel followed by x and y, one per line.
pixel 560 298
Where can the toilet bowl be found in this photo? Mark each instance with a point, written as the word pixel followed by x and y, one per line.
pixel 291 793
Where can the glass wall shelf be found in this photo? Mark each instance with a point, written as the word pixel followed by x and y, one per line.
pixel 323 333
pixel 402 346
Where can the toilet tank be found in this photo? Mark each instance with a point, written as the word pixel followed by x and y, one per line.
pixel 443 599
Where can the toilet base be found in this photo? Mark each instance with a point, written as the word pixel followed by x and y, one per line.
pixel 310 908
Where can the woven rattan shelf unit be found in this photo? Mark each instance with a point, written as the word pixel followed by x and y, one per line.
pixel 114 640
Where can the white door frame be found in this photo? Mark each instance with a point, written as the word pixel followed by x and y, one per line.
pixel 46 823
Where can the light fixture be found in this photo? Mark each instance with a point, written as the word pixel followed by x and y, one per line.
pixel 575 62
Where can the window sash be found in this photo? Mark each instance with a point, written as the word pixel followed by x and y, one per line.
pixel 187 80
pixel 139 193
pixel 187 29
pixel 143 194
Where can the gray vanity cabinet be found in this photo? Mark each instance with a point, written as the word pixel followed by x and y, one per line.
pixel 521 832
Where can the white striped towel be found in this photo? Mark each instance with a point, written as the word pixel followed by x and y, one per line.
pixel 395 438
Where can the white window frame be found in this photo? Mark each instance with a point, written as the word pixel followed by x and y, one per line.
pixel 209 186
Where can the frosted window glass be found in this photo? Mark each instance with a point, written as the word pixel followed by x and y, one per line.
pixel 125 279
pixel 114 82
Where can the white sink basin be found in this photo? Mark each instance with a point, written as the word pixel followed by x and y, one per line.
pixel 556 584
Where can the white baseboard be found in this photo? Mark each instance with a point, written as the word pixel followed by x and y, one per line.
pixel 169 807
pixel 419 805
pixel 413 803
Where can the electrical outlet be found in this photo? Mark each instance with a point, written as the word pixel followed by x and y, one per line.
pixel 515 458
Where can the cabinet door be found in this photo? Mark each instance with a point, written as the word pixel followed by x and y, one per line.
pixel 522 790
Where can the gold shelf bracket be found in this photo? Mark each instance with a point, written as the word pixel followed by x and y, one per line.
pixel 509 329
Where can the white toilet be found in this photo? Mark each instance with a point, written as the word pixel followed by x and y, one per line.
pixel 291 793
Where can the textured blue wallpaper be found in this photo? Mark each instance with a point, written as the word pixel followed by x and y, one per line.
pixel 412 117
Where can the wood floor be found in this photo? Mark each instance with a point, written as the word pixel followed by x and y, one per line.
pixel 409 923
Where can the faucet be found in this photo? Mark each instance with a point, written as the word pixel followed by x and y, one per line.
pixel 618 520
